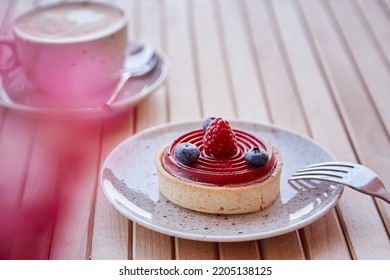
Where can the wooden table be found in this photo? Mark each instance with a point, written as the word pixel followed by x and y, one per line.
pixel 321 68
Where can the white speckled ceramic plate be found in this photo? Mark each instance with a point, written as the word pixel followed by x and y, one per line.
pixel 129 180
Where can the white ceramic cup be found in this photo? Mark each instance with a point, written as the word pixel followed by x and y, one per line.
pixel 69 49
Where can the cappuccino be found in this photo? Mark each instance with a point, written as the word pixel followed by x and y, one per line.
pixel 69 50
pixel 70 22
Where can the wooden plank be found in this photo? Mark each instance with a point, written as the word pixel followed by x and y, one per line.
pixel 281 88
pixel 280 93
pixel 242 69
pixel 320 239
pixel 346 85
pixel 77 190
pixel 248 93
pixel 315 97
pixel 148 244
pixel 111 230
pixel 311 84
pixel 182 84
pixel 215 84
pixel 284 247
pixel 149 30
pixel 247 250
pixel 195 250
pixel 16 140
pixel 8 12
pixel 253 100
pixel 385 4
pixel 372 65
pixel 184 252
pixel 284 101
pixel 183 97
pixel 274 71
pixel 15 148
pixel 377 22
pixel 6 8
pixel 39 200
pixel 151 245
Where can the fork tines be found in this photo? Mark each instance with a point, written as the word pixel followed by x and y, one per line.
pixel 331 164
pixel 323 171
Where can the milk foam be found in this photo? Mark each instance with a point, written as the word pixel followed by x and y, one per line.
pixel 70 22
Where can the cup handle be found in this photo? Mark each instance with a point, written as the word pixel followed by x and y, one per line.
pixel 13 61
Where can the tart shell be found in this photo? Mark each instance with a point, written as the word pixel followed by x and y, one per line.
pixel 250 197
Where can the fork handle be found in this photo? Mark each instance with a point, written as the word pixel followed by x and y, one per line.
pixel 384 195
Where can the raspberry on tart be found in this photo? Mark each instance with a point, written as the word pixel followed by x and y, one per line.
pixel 219 139
pixel 231 171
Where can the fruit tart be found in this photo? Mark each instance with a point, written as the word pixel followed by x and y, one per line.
pixel 219 169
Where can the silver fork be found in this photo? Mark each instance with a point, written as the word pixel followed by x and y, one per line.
pixel 353 175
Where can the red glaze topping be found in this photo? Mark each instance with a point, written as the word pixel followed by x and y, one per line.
pixel 222 171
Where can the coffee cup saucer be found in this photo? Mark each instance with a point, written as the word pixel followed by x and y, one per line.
pixel 17 94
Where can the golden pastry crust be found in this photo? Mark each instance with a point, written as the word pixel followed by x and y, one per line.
pixel 207 198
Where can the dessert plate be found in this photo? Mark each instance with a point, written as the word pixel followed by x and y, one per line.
pixel 129 181
pixel 16 94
